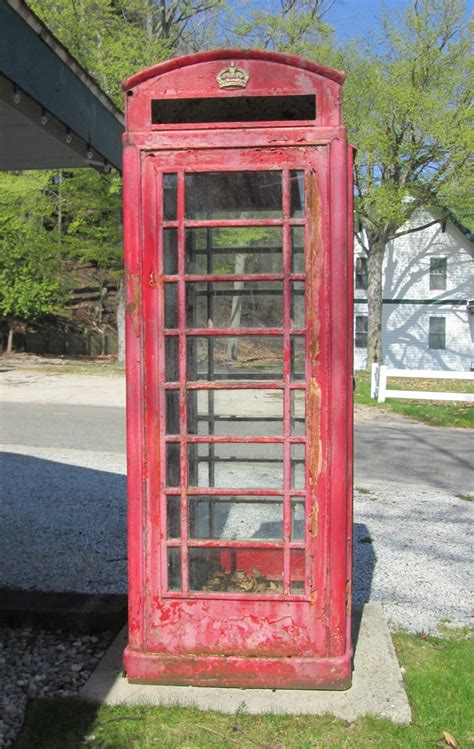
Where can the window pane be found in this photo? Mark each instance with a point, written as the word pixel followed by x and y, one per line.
pixel 297 520
pixel 438 271
pixel 171 305
pixel 251 571
pixel 361 331
pixel 298 467
pixel 172 464
pixel 241 413
pixel 361 273
pixel 234 249
pixel 170 192
pixel 170 251
pixel 173 516
pixel 239 466
pixel 297 304
pixel 437 333
pixel 237 304
pixel 296 194
pixel 298 411
pixel 297 249
pixel 297 564
pixel 237 518
pixel 233 195
pixel 297 358
pixel 172 412
pixel 174 569
pixel 235 357
pixel 171 358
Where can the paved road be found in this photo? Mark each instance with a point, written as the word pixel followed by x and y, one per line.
pixel 403 453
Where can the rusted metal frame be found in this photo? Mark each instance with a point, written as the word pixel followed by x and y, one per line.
pixel 235 277
pixel 286 391
pixel 194 490
pixel 221 543
pixel 217 223
pixel 339 384
pixel 231 331
pixel 232 385
pixel 221 439
pixel 182 380
pixel 248 598
pixel 133 230
pixel 232 138
pixel 350 391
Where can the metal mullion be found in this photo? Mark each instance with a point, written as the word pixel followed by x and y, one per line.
pixel 286 379
pixel 197 491
pixel 182 383
pixel 229 223
pixel 205 278
pixel 221 439
pixel 231 331
pixel 230 385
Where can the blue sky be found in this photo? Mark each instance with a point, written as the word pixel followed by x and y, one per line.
pixel 353 18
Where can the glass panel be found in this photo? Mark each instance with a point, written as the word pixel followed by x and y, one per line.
pixel 297 304
pixel 233 195
pixel 173 517
pixel 235 357
pixel 297 519
pixel 170 251
pixel 297 564
pixel 234 249
pixel 237 518
pixel 230 465
pixel 240 413
pixel 170 197
pixel 297 467
pixel 171 305
pixel 298 412
pixel 297 194
pixel 297 358
pixel 297 249
pixel 171 358
pixel 237 304
pixel 251 571
pixel 172 412
pixel 172 464
pixel 174 569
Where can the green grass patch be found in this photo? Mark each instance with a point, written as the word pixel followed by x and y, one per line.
pixel 438 678
pixel 435 413
pixel 466 497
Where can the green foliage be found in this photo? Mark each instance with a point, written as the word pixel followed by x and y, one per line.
pixel 31 278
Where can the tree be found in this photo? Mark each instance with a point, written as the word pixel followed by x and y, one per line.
pixel 31 279
pixel 407 107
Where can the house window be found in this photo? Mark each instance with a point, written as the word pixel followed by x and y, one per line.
pixel 438 269
pixel 361 273
pixel 361 331
pixel 437 333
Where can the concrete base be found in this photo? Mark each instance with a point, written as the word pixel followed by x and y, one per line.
pixel 377 685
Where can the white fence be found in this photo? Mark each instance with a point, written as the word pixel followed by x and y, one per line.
pixel 381 373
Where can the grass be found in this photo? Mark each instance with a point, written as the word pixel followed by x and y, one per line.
pixel 435 413
pixel 438 679
pixel 58 366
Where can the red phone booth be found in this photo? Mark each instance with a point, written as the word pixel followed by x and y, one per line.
pixel 237 194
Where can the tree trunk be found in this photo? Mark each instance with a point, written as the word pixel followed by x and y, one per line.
pixel 121 323
pixel 375 303
pixel 10 337
pixel 236 311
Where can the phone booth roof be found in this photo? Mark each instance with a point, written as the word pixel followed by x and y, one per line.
pixel 312 92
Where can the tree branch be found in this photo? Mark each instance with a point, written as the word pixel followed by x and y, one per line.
pixel 415 229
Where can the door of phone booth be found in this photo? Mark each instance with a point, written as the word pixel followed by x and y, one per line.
pixel 238 270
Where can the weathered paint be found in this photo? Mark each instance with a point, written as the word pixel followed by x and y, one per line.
pixel 278 639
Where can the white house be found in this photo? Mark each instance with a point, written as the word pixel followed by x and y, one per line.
pixel 428 298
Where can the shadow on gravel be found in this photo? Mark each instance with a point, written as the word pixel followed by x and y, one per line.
pixel 62 527
pixel 363 567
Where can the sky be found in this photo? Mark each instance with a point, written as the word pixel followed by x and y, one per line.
pixel 354 18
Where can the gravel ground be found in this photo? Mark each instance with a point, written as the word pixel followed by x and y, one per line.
pixel 35 663
pixel 65 508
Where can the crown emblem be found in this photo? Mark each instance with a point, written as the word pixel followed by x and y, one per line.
pixel 232 77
